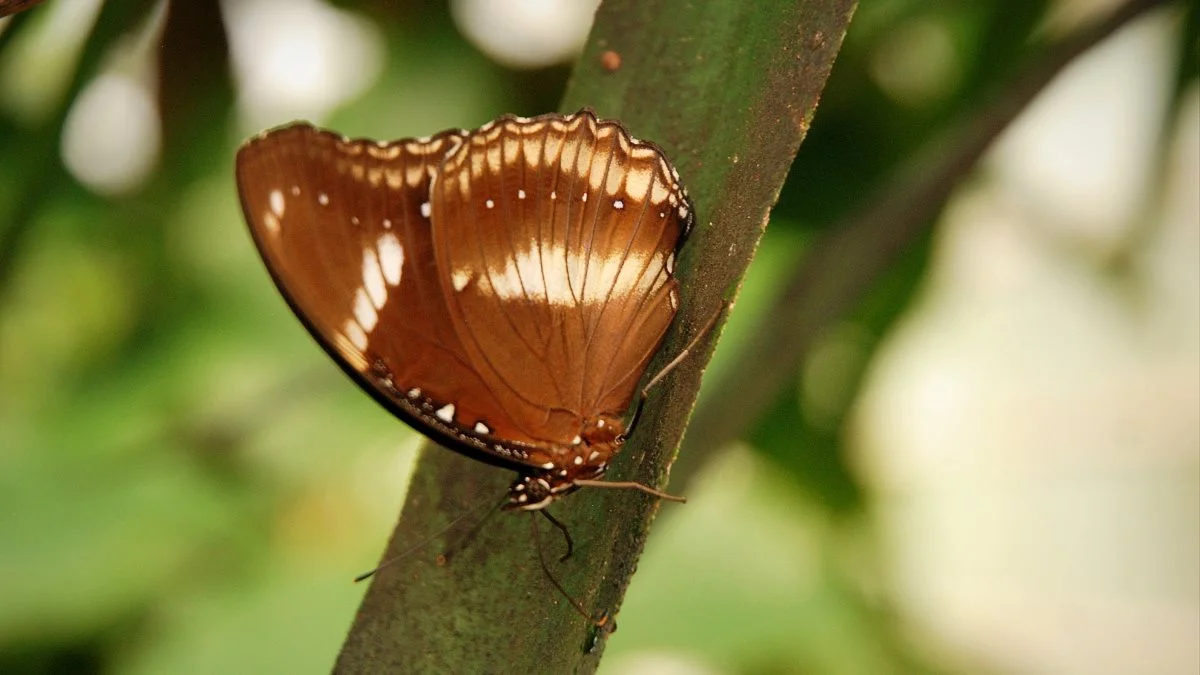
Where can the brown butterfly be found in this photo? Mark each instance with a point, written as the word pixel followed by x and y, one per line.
pixel 501 290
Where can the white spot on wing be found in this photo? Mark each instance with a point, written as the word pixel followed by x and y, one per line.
pixel 277 203
pixel 618 205
pixel 659 193
pixel 355 334
pixel 481 428
pixel 364 311
pixel 490 204
pixel 413 175
pixel 348 350
pixel 445 413
pixel 323 199
pixel 373 279
pixel 460 278
pixel 391 257
pixel 520 194
pixel 425 209
pixel 270 222
pixel 637 182
pixel 520 276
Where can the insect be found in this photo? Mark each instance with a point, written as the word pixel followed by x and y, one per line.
pixel 501 290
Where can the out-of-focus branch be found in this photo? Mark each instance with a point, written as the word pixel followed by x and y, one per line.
pixel 838 270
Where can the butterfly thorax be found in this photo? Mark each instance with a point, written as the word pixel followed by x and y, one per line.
pixel 588 459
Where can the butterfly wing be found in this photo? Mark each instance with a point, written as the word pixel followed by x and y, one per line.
pixel 556 238
pixel 344 228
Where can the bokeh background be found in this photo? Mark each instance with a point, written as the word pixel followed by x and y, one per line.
pixel 992 465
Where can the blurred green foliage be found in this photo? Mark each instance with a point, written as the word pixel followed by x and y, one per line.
pixel 187 484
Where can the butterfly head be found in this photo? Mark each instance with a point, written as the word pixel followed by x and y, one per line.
pixel 586 459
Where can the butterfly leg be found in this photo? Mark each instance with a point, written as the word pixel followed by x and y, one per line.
pixel 679 358
pixel 629 485
pixel 537 542
pixel 566 535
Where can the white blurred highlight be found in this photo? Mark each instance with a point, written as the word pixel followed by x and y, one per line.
pixel 916 63
pixel 298 58
pixel 1032 431
pixel 1074 157
pixel 526 33
pixel 111 138
pixel 112 135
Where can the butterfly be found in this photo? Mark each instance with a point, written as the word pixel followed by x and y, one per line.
pixel 501 290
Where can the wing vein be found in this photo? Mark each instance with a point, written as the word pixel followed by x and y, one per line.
pixel 607 368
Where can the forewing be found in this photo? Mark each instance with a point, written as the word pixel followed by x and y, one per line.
pixel 344 228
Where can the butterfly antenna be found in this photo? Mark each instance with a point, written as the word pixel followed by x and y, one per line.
pixel 629 485
pixel 679 358
pixel 462 542
pixel 537 543
pixel 566 535
pixel 428 540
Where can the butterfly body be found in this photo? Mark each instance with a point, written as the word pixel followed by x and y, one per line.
pixel 501 290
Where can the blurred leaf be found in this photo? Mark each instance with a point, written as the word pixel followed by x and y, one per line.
pixel 196 88
pixel 8 7
pixel 75 525
pixel 285 607
pixel 41 174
